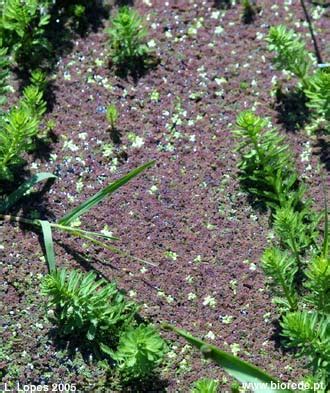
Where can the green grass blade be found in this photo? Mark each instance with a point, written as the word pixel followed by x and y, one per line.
pixel 81 232
pixel 243 371
pixel 22 189
pixel 90 236
pixel 99 196
pixel 49 245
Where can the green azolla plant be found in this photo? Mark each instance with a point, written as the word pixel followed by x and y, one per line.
pixel 22 27
pixel 205 385
pixel 81 304
pixel 127 34
pixel 139 352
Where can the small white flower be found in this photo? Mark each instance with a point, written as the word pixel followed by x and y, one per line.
pixel 210 335
pixel 209 301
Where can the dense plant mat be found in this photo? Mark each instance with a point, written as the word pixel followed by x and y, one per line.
pixel 187 214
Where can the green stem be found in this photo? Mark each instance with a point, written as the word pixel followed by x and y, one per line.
pixel 291 299
pixel 295 249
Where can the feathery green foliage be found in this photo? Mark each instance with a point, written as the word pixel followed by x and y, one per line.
pixel 282 268
pixel 268 173
pixel 38 79
pixel 266 167
pixel 205 385
pixel 33 103
pixel 80 304
pixel 16 137
pixel 318 93
pixel 139 352
pixel 291 54
pixel 127 34
pixel 318 283
pixel 4 73
pixel 98 312
pixel 22 27
pixel 309 334
pixel 295 230
pixel 18 129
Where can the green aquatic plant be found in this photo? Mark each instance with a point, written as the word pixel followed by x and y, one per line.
pixel 112 116
pixel 266 167
pixel 205 385
pixel 139 352
pixel 39 80
pixel 308 334
pixel 18 128
pixel 80 304
pixel 318 283
pixel 22 27
pixel 282 268
pixel 297 230
pixel 127 40
pixel 291 54
pixel 16 137
pixel 298 265
pixel 4 73
pixel 318 94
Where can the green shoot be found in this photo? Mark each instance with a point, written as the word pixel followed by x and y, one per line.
pixel 112 117
pixel 282 268
pixel 291 54
pixel 309 335
pixel 205 385
pixel 127 34
pixel 4 73
pixel 140 351
pixel 92 309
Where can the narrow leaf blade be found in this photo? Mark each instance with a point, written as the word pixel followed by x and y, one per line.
pixel 22 189
pixel 49 245
pixel 244 372
pixel 99 196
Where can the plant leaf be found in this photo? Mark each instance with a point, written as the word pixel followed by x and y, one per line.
pixel 99 196
pixel 49 245
pixel 243 371
pixel 22 189
pixel 326 224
